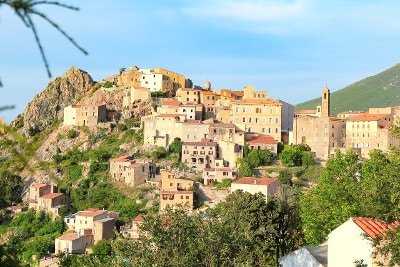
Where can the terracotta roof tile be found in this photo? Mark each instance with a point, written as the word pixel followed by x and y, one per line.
pixel 70 237
pixel 262 140
pixel 138 218
pixel 52 195
pixel 374 227
pixel 256 181
pixel 38 185
pixel 91 213
pixel 369 117
pixel 171 103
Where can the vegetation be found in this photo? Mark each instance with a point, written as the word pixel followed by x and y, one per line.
pixel 253 159
pixel 298 155
pixel 32 233
pixel 230 235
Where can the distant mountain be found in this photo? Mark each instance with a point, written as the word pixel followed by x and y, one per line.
pixel 380 90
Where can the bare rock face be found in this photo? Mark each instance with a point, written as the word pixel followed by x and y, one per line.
pixel 48 106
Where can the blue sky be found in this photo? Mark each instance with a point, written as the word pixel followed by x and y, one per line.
pixel 292 49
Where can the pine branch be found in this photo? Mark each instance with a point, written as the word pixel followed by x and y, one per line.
pixel 25 9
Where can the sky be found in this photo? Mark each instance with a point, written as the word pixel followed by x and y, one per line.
pixel 292 49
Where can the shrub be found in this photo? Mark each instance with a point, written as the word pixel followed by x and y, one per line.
pixel 72 134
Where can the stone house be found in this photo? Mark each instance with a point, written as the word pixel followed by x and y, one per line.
pixel 92 224
pixel 140 93
pixel 369 131
pixel 194 131
pixel 188 95
pixel 176 198
pixel 200 155
pixel 130 171
pixel 47 198
pixel 253 185
pixel 133 231
pixel 262 116
pixel 85 115
pixel 169 180
pixel 218 174
pixel 162 130
pixel 263 142
pixel 71 243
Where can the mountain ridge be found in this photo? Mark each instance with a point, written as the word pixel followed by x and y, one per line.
pixel 379 90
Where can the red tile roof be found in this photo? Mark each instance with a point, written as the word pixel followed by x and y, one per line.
pixel 38 185
pixel 374 227
pixel 262 140
pixel 256 181
pixel 138 218
pixel 70 236
pixel 52 195
pixel 170 103
pixel 369 117
pixel 122 159
pixel 91 212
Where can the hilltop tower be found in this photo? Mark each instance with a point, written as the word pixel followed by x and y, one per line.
pixel 207 86
pixel 326 102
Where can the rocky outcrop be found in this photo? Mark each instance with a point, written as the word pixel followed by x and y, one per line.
pixel 48 106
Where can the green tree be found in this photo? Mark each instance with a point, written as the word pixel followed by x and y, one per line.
pixel 245 170
pixel 285 177
pixel 333 200
pixel 102 247
pixel 254 158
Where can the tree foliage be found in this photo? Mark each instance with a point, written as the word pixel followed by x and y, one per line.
pixel 244 230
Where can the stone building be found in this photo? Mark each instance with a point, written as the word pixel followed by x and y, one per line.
pixel 218 174
pixel 253 185
pixel 85 115
pixel 163 129
pixel 46 197
pixel 371 130
pixel 263 142
pixel 130 171
pixel 323 133
pixel 154 80
pixel 176 198
pixel 169 180
pixel 200 155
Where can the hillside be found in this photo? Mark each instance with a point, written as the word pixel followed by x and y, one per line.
pixel 380 90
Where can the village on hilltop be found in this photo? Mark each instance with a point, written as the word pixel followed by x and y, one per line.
pixel 215 128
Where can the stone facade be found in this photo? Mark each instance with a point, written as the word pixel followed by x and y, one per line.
pixel 218 174
pixel 161 130
pixel 176 198
pixel 169 181
pixel 45 197
pixel 200 155
pixel 266 186
pixel 85 115
pixel 130 171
